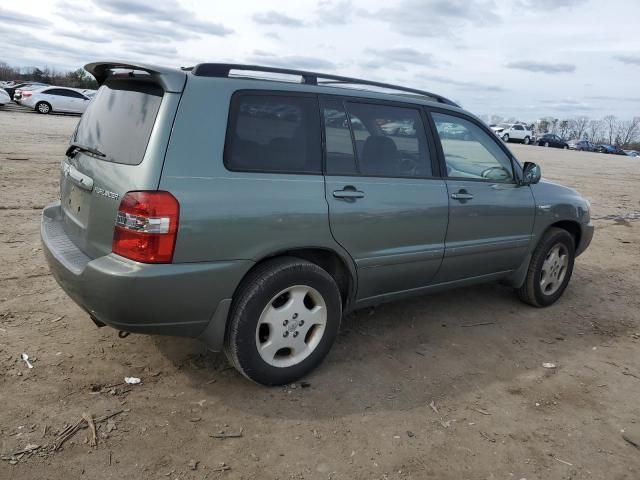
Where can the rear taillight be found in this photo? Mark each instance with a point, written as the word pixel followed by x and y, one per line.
pixel 146 227
pixel 26 94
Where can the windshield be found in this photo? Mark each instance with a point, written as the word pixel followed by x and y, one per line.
pixel 119 119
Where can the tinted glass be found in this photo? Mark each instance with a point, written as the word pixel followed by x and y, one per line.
pixel 54 91
pixel 274 133
pixel 339 157
pixel 119 120
pixel 470 152
pixel 518 127
pixel 71 93
pixel 390 141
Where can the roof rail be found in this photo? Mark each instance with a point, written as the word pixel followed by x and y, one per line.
pixel 308 78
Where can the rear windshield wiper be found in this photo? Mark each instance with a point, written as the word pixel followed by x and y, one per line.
pixel 78 147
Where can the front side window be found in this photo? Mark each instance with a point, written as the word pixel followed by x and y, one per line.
pixel 274 133
pixel 470 152
pixel 390 141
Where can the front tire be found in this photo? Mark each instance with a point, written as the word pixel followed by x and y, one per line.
pixel 284 320
pixel 550 269
pixel 505 138
pixel 546 144
pixel 527 140
pixel 43 107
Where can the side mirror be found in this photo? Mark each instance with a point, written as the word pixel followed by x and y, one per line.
pixel 531 173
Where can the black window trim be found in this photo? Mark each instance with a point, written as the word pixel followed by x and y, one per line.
pixel 343 99
pixel 232 117
pixel 516 169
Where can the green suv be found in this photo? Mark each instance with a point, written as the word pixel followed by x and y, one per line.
pixel 251 207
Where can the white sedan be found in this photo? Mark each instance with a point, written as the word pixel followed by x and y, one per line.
pixel 55 99
pixel 4 97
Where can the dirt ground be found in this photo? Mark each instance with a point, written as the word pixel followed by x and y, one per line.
pixel 413 389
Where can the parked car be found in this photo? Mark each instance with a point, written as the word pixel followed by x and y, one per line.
pixel 552 140
pixel 610 149
pixel 398 128
pixel 632 153
pixel 510 132
pixel 4 98
pixel 55 99
pixel 12 89
pixel 256 233
pixel 583 145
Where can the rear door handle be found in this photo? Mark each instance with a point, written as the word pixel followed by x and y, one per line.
pixel 348 193
pixel 461 196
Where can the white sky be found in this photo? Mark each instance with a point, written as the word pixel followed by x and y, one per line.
pixel 521 58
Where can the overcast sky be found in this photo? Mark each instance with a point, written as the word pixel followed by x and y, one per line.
pixel 522 58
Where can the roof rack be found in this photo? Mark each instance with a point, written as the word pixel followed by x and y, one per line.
pixel 308 78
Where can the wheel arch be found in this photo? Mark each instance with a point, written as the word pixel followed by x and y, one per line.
pixel 518 277
pixel 340 268
pixel 571 226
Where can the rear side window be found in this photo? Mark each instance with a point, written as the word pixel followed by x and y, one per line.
pixel 390 141
pixel 273 133
pixel 54 91
pixel 119 120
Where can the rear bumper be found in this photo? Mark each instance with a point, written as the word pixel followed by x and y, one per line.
pixel 168 299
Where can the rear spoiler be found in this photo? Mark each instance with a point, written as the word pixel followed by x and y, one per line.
pixel 171 79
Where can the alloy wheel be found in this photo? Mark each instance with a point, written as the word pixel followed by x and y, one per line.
pixel 291 326
pixel 554 269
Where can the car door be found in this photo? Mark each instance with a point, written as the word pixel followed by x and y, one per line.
pixel 386 206
pixel 76 101
pixel 67 100
pixel 490 215
pixel 518 132
pixel 54 98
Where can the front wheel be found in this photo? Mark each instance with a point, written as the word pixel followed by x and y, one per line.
pixel 550 269
pixel 505 138
pixel 546 144
pixel 565 147
pixel 526 140
pixel 284 319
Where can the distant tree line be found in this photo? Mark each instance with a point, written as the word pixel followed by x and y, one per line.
pixel 609 130
pixel 76 79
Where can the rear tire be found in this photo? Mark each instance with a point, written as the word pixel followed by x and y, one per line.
pixel 284 319
pixel 43 107
pixel 549 274
pixel 546 144
pixel 526 140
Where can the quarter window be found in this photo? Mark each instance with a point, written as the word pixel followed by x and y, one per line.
pixel 470 152
pixel 274 133
pixel 390 141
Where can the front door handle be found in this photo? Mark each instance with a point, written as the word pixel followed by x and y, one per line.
pixel 348 193
pixel 462 196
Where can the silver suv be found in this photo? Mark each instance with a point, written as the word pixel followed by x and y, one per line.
pixel 253 213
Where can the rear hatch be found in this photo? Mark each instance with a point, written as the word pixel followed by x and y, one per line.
pixel 117 147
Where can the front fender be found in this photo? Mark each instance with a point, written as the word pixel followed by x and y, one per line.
pixel 563 206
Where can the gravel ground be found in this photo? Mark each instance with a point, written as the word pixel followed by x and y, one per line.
pixel 410 390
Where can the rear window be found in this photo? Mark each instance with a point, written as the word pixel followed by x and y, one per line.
pixel 273 133
pixel 119 119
